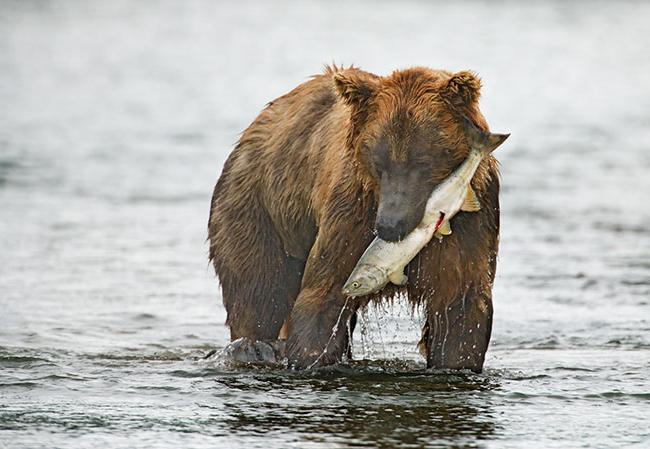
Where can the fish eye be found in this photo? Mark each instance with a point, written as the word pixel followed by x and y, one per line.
pixel 355 284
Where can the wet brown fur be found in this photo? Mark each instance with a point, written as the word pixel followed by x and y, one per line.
pixel 295 205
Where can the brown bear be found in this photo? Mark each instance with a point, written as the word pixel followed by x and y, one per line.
pixel 341 158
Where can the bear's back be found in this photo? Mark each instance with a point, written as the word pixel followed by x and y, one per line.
pixel 282 156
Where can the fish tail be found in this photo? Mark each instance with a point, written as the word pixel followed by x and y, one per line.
pixel 492 142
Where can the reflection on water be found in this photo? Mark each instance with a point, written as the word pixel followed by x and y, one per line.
pixel 374 410
pixel 115 120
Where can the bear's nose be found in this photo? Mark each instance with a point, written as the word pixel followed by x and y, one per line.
pixel 391 230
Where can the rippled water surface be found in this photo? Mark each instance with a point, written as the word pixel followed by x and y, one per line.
pixel 115 120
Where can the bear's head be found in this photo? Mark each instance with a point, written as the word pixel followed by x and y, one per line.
pixel 408 133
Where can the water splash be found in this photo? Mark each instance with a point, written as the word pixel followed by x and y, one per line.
pixel 389 330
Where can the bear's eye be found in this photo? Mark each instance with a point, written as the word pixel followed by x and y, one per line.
pixel 379 157
pixel 379 167
pixel 378 160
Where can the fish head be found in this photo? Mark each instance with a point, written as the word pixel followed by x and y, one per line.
pixel 365 279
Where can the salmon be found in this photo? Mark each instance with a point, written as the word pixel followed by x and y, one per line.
pixel 384 261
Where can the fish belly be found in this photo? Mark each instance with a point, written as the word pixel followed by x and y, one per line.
pixel 405 250
pixel 448 199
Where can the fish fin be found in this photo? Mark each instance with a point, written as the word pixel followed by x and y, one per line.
pixel 444 229
pixel 398 278
pixel 471 203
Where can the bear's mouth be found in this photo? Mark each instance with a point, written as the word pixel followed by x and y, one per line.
pixel 440 220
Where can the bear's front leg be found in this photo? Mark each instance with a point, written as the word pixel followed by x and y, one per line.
pixel 319 327
pixel 456 335
pixel 319 324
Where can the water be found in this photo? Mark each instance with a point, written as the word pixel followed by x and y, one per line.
pixel 115 119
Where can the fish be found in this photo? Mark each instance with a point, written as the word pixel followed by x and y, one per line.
pixel 384 261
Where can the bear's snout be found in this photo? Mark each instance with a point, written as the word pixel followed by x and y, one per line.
pixel 402 199
pixel 392 229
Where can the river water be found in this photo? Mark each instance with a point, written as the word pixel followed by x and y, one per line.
pixel 115 120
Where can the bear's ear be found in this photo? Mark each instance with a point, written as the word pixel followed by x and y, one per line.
pixel 462 89
pixel 354 88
